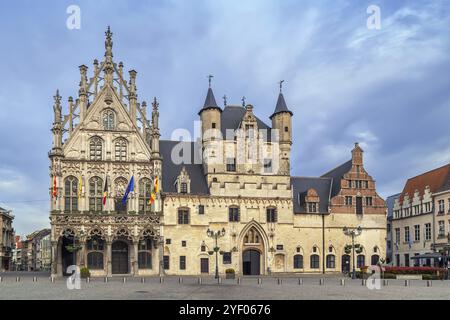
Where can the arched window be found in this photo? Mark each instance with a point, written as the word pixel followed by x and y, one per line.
pixel 120 150
pixel 95 194
pixel 120 185
pixel 314 261
pixel 71 194
pixel 95 148
pixel 360 261
pixel 331 261
pixel 108 120
pixel 145 186
pixel 95 247
pixel 374 259
pixel 183 216
pixel 298 261
pixel 145 254
pixel 233 214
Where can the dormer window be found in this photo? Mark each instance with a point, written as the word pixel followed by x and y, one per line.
pixel 183 182
pixel 312 201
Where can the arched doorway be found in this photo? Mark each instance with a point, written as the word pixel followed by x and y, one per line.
pixel 119 257
pixel 68 257
pixel 345 263
pixel 251 262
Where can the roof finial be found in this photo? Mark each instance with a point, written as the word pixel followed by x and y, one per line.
pixel 108 43
pixel 209 79
pixel 243 101
pixel 224 100
pixel 281 86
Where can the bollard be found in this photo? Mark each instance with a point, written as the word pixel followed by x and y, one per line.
pixel 429 283
pixel 280 281
pixel 180 280
pixel 142 280
pixel 34 279
pixel 106 279
pixel 52 279
pixel 259 281
pixel 199 280
pixel 1 279
pixel 300 281
pixel 124 280
pixel 321 281
pixel 385 282
pixel 161 279
pixel 406 283
pixel 363 282
pixel 342 282
pixel 219 280
pixel 17 279
pixel 88 280
pixel 238 280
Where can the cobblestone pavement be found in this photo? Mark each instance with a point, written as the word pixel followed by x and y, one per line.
pixel 287 288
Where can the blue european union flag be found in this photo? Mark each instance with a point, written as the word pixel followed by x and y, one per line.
pixel 130 188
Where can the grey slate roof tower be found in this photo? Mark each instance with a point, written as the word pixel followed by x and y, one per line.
pixel 210 102
pixel 281 106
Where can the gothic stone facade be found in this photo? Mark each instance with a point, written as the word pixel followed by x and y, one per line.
pixel 270 222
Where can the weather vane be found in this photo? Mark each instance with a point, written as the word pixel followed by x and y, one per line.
pixel 281 86
pixel 225 100
pixel 209 79
pixel 243 101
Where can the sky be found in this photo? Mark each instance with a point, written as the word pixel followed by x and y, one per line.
pixel 387 88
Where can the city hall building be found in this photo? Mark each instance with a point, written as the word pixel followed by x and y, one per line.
pixel 125 202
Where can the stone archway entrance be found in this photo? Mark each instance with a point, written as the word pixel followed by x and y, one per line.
pixel 119 257
pixel 251 262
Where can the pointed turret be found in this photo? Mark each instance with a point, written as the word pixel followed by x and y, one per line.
pixel 281 106
pixel 210 101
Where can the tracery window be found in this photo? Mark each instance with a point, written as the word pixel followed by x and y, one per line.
pixel 71 194
pixel 95 247
pixel 95 194
pixel 145 254
pixel 120 150
pixel 108 120
pixel 145 186
pixel 95 148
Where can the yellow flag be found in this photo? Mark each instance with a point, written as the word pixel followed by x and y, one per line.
pixel 80 186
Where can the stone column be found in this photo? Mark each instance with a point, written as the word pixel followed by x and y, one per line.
pixel 134 261
pixel 108 258
pixel 82 255
pixel 54 258
pixel 59 269
pixel 161 255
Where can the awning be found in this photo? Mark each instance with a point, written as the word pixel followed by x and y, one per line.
pixel 434 255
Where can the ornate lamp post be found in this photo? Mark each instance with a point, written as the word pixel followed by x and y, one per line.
pixel 215 236
pixel 353 233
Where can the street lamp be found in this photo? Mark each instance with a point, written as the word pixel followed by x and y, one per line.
pixel 353 233
pixel 215 236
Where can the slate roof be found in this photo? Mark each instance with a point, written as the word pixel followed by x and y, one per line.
pixel 336 174
pixel 232 117
pixel 437 179
pixel 301 185
pixel 210 102
pixel 281 106
pixel 390 204
pixel 171 170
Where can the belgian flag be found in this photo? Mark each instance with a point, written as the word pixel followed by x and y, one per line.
pixel 105 191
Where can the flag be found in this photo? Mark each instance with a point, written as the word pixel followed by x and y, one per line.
pixel 152 199
pixel 105 191
pixel 130 188
pixel 156 185
pixel 80 186
pixel 55 191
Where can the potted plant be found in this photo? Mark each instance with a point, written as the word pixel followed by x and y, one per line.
pixel 230 273
pixel 85 273
pixel 73 248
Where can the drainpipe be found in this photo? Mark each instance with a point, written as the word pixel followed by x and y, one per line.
pixel 323 243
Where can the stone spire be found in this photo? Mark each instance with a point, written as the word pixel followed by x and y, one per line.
pixel 57 125
pixel 109 65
